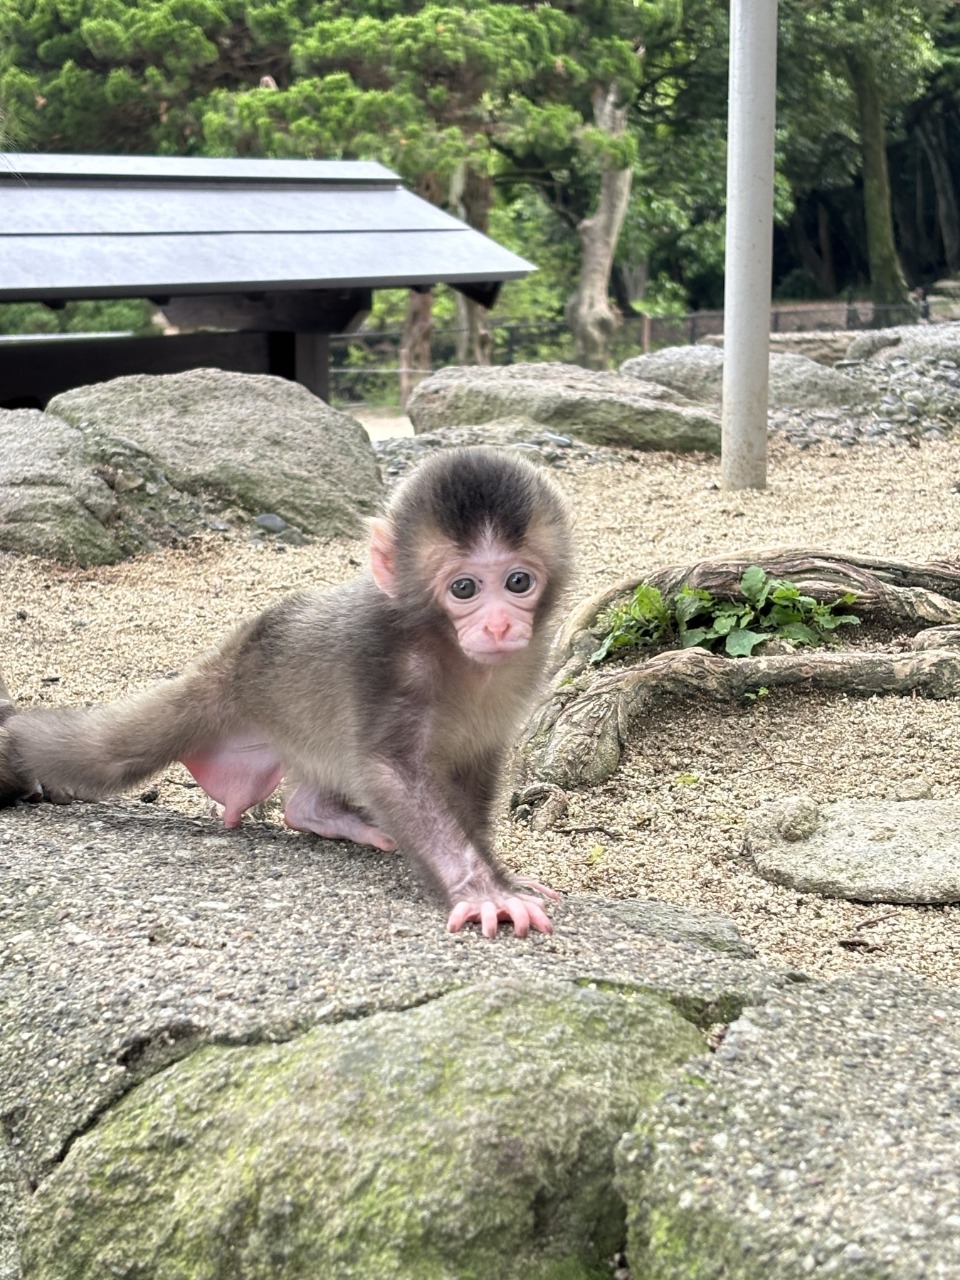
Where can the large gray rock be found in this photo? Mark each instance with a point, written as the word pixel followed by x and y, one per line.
pixel 601 408
pixel 915 342
pixel 866 850
pixel 820 1140
pixel 694 371
pixel 123 466
pixel 132 939
pixel 52 501
pixel 468 1138
pixel 796 381
pixel 256 1053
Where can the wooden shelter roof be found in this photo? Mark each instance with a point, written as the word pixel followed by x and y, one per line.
pixel 81 226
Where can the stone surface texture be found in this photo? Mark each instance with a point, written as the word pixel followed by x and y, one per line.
pixel 468 1138
pixel 894 851
pixel 821 1140
pixel 599 408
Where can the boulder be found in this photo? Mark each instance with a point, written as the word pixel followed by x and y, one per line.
pixel 255 1053
pixel 919 343
pixel 259 1053
pixel 796 381
pixel 600 408
pixel 821 1140
pixel 123 466
pixel 53 502
pixel 695 372
pixel 468 1138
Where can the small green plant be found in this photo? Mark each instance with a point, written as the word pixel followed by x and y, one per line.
pixel 644 621
pixel 755 695
pixel 766 608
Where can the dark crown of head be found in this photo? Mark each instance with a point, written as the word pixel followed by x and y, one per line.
pixel 465 493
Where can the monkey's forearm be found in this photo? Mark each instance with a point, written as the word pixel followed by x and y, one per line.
pixel 461 868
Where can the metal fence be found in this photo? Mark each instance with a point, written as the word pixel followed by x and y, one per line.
pixel 367 367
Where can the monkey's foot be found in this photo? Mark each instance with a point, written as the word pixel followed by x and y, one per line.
pixel 523 910
pixel 326 815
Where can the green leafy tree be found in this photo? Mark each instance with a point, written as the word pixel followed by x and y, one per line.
pixel 671 253
pixel 847 69
pixel 440 92
pixel 411 87
pixel 568 134
pixel 112 76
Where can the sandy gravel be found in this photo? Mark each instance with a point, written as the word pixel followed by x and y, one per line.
pixel 669 825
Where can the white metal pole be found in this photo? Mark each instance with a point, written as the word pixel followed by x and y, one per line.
pixel 749 250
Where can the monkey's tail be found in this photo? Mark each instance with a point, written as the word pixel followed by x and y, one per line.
pixel 101 750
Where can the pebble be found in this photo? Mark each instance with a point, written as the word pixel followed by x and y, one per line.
pixel 397 454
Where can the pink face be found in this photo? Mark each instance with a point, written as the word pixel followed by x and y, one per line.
pixel 490 595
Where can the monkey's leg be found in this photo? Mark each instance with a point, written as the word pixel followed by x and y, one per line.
pixel 237 773
pixel 327 815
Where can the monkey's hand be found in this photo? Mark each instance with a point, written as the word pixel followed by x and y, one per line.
pixel 523 910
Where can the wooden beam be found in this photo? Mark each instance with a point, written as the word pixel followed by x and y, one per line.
pixel 308 311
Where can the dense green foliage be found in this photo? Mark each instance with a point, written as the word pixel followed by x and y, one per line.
pixel 490 107
pixel 766 608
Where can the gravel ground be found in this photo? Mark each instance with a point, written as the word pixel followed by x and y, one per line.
pixel 669 825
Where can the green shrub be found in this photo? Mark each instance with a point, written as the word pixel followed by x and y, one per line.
pixel 766 608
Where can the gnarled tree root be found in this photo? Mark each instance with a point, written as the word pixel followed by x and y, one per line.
pixel 576 738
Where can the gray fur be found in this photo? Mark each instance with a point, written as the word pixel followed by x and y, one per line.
pixel 362 697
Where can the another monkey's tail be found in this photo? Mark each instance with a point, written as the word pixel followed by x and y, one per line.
pixel 92 753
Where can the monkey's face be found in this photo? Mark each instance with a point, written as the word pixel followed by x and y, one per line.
pixel 490 594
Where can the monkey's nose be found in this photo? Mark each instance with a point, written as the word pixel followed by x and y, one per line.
pixel 497 628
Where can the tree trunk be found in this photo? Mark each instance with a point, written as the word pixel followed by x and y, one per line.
pixel 470 196
pixel 930 132
pixel 415 351
pixel 589 314
pixel 817 260
pixel 585 740
pixel 826 250
pixel 888 288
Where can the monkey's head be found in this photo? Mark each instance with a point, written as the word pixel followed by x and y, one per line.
pixel 481 538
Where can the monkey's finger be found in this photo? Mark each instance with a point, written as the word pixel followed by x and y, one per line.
pixel 489 918
pixel 544 890
pixel 483 912
pixel 517 911
pixel 533 915
pixel 459 916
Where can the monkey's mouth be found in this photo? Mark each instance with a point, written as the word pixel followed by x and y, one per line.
pixel 491 657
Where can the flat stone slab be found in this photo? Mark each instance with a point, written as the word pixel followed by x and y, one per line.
pixel 899 851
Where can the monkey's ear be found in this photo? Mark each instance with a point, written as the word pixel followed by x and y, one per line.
pixel 382 556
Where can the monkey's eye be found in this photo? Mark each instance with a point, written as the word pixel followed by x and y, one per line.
pixel 519 582
pixel 463 588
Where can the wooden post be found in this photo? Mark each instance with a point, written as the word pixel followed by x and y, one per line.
pixel 312 361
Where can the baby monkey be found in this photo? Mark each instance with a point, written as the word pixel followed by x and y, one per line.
pixel 387 705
